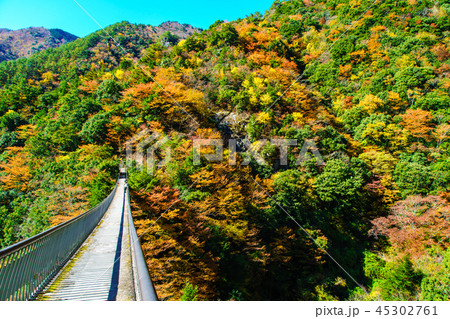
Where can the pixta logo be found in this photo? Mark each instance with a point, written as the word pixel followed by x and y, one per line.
pixel 151 150
pixel 142 150
pixel 253 151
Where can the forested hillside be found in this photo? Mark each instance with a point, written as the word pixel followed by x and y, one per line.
pixel 16 44
pixel 367 81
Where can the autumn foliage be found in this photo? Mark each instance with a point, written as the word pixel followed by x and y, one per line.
pixel 416 225
pixel 370 92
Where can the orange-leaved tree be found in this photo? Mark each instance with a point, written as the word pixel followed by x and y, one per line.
pixel 15 172
pixel 418 123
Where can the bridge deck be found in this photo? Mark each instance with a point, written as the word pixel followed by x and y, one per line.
pixel 102 268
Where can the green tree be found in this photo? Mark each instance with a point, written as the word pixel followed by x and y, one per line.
pixel 95 129
pixel 170 38
pixel 436 286
pixel 399 281
pixel 341 180
pixel 412 175
pixel 189 292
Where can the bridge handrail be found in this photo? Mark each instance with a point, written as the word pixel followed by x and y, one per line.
pixel 145 291
pixel 28 266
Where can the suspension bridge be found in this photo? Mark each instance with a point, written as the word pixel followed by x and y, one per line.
pixel 94 256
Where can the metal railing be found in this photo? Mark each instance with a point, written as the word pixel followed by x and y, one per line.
pixel 28 266
pixel 145 291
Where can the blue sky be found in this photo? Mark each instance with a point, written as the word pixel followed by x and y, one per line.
pixel 66 15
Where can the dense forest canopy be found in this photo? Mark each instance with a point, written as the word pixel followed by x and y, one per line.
pixel 367 81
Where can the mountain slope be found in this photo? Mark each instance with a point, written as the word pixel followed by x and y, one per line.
pixel 25 42
pixel 180 30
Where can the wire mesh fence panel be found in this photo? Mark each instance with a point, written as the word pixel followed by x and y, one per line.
pixel 26 267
